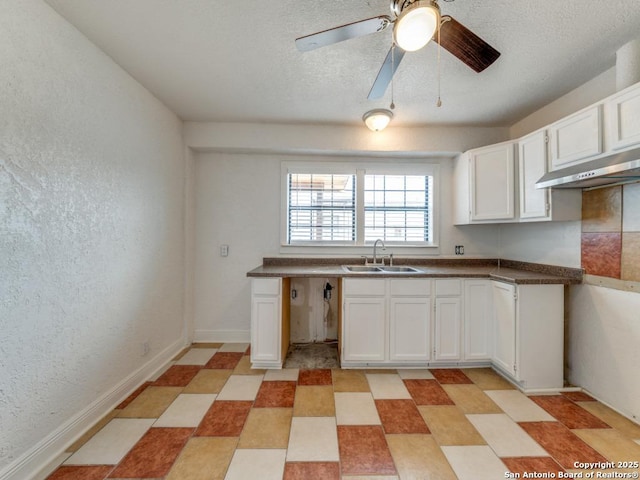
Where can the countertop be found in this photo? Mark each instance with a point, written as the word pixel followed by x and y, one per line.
pixel 502 270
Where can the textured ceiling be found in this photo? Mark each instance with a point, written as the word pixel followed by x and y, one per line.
pixel 236 61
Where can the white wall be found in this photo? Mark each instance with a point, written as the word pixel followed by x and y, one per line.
pixel 91 233
pixel 238 200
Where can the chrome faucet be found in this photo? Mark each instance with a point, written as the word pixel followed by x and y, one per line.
pixel 375 246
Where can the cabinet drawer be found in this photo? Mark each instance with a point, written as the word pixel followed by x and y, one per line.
pixel 448 287
pixel 265 286
pixel 409 287
pixel 366 287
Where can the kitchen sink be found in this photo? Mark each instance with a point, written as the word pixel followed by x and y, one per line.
pixel 361 268
pixel 399 269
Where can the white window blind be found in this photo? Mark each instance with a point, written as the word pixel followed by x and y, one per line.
pixel 398 208
pixel 321 208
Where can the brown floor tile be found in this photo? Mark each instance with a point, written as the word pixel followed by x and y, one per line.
pixel 364 451
pixel 487 379
pixel 92 431
pixel 400 416
pixel 567 412
pixel 578 397
pixel 154 454
pixel 151 403
pixel 133 396
pixel 349 381
pixel 531 465
pixel 276 394
pixel 419 457
pixel 611 443
pixel 449 426
pixel 312 470
pixel 244 367
pixel 470 399
pixel 319 376
pixel 562 444
pixel 613 418
pixel 248 351
pixel 450 375
pixel 204 458
pixel 225 360
pixel 314 401
pixel 224 419
pixel 208 381
pixel 427 392
pixel 266 428
pixel 601 254
pixel 82 472
pixel 177 376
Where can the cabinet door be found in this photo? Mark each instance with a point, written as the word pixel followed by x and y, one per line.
pixel 478 313
pixel 504 321
pixel 532 163
pixel 623 113
pixel 364 329
pixel 410 326
pixel 265 328
pixel 576 138
pixel 448 322
pixel 492 183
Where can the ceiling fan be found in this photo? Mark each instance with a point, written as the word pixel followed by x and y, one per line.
pixel 415 23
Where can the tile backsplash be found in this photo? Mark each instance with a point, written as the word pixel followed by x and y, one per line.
pixel 611 232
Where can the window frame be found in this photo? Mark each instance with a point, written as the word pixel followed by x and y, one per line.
pixel 360 169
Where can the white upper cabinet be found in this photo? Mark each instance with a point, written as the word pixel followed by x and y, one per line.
pixel 576 138
pixel 623 118
pixel 532 164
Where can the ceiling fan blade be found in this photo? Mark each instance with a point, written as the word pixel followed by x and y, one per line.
pixel 389 67
pixel 343 32
pixel 466 45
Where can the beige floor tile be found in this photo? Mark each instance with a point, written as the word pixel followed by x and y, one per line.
pixel 450 426
pixel 182 353
pixel 370 477
pixel 506 437
pixel 313 439
pixel 234 347
pixel 208 381
pixel 92 431
pixel 356 408
pixel 518 406
pixel 418 456
pixel 613 418
pixel 241 387
pixel 204 458
pixel 611 443
pixel 387 386
pixel 187 410
pixel 314 401
pixel 349 381
pixel 470 399
pixel 487 379
pixel 206 345
pixel 282 375
pixel 196 356
pixel 151 403
pixel 265 464
pixel 475 463
pixel 415 374
pixel 266 428
pixel 244 368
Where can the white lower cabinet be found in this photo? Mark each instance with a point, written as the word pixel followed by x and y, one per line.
pixel 448 320
pixel 364 329
pixel 266 322
pixel 529 334
pixel 409 329
pixel 478 320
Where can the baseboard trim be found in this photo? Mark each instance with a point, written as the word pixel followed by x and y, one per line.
pixel 45 455
pixel 221 336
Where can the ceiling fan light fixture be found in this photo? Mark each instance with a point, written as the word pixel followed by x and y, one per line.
pixel 377 119
pixel 416 25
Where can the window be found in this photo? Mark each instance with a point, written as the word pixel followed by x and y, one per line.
pixel 343 204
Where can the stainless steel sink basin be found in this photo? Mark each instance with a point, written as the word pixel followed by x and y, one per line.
pixel 361 268
pixel 399 269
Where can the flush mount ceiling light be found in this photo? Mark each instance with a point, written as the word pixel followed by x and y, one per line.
pixel 416 25
pixel 377 119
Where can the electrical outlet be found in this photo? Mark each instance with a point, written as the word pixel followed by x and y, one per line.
pixel 224 250
pixel 459 250
pixel 145 348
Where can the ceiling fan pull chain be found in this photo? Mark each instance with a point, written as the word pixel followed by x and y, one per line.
pixel 393 51
pixel 439 102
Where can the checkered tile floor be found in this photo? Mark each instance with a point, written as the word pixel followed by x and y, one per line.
pixel 210 416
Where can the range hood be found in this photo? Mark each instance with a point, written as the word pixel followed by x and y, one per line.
pixel 614 168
